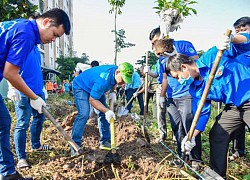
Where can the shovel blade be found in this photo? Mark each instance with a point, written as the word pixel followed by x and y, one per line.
pixel 122 111
pixel 112 158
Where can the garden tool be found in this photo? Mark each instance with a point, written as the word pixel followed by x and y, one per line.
pixel 63 132
pixel 112 157
pixel 122 111
pixel 205 93
pixel 144 130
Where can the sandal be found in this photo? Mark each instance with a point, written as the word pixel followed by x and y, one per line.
pixel 23 164
pixel 44 148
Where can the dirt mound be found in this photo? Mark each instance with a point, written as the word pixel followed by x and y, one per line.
pixel 138 160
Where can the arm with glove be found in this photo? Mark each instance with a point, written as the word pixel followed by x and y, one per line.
pixel 13 93
pixel 11 74
pixel 164 86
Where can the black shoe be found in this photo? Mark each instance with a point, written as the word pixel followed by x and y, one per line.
pixel 15 176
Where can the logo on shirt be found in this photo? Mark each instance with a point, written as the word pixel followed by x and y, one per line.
pixel 191 50
pixel 5 26
pixel 219 72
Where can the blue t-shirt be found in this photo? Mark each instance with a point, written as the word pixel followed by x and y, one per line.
pixel 136 81
pixel 31 71
pixel 231 84
pixel 17 38
pixel 96 81
pixel 243 47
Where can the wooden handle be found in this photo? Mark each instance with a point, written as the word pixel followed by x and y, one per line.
pixel 206 90
pixel 63 132
pixel 112 133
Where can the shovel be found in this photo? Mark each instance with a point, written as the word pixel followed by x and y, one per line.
pixel 144 130
pixel 112 157
pixel 122 111
pixel 205 94
pixel 63 132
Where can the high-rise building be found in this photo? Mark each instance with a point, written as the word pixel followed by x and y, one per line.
pixel 63 45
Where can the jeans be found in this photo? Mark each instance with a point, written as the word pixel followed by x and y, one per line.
pixel 161 115
pixel 129 94
pixel 24 111
pixel 227 122
pixel 181 117
pixel 6 156
pixel 81 99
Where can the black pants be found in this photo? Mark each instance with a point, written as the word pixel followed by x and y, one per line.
pixel 227 122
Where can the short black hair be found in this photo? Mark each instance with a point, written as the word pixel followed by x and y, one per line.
pixel 94 63
pixel 60 17
pixel 242 22
pixel 154 32
pixel 174 62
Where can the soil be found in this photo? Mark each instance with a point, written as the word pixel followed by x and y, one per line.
pixel 139 160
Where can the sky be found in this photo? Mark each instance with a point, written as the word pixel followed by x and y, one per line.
pixel 92 25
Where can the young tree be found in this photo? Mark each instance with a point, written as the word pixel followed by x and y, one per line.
pixel 116 9
pixel 152 59
pixel 12 9
pixel 120 43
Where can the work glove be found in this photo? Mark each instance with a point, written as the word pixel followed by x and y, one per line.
pixel 109 114
pixel 146 69
pixel 187 146
pixel 135 94
pixel 162 102
pixel 112 96
pixel 223 43
pixel 38 104
pixel 14 94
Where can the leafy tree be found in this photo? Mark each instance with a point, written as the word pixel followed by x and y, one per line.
pixel 66 65
pixel 152 59
pixel 116 9
pixel 12 9
pixel 120 43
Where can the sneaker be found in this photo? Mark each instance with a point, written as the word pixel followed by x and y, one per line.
pixel 233 157
pixel 105 146
pixel 23 164
pixel 15 176
pixel 196 165
pixel 175 162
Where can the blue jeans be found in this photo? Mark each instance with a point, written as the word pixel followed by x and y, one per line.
pixel 81 99
pixel 129 94
pixel 23 113
pixel 6 156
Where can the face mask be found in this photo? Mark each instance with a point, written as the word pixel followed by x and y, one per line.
pixel 187 81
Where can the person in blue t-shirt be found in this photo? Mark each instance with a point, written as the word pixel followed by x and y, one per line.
pixel 89 88
pixel 230 86
pixel 241 42
pixel 130 92
pixel 17 39
pixel 178 98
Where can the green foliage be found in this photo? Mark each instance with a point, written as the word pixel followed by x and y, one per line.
pixel 152 59
pixel 116 6
pixel 181 5
pixel 120 43
pixel 200 53
pixel 66 65
pixel 12 9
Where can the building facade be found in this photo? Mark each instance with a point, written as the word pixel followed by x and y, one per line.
pixel 63 45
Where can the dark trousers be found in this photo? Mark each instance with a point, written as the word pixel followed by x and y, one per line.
pixel 238 147
pixel 227 122
pixel 181 117
pixel 129 94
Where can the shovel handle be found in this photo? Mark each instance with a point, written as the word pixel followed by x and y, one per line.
pixel 63 132
pixel 206 90
pixel 112 133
